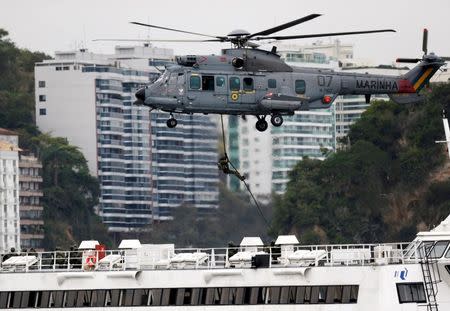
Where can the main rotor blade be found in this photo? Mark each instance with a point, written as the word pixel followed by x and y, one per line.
pixel 408 60
pixel 317 35
pixel 425 41
pixel 284 26
pixel 177 30
pixel 153 40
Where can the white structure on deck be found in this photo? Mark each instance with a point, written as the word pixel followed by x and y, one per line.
pixel 369 277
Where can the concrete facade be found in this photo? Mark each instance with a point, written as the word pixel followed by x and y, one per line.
pixel 9 191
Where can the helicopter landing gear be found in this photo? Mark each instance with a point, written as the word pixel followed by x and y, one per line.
pixel 261 124
pixel 276 120
pixel 172 122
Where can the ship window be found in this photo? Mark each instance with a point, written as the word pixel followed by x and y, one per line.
pixel 71 299
pixel 220 81
pixel 14 300
pixel 424 247
pixel 315 294
pixel 195 83
pixel 284 294
pixel 300 86
pixel 307 297
pixel 43 299
pixel 438 249
pixel 251 295
pixel 83 298
pixel 31 300
pixel 57 299
pixel 3 299
pixel 140 297
pixel 274 295
pixel 239 296
pixel 272 84
pixel 195 296
pixel 209 296
pixel 208 83
pixel 248 84
pixel 411 292
pixel 98 298
pixel 354 293
pixel 155 297
pixel 235 84
pixel 300 294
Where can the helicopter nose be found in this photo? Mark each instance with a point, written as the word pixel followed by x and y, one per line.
pixel 140 94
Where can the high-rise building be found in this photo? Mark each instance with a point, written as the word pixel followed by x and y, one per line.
pixel 31 209
pixel 88 98
pixel 9 191
pixel 184 169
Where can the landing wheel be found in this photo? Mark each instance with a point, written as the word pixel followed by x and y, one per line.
pixel 276 120
pixel 261 125
pixel 172 122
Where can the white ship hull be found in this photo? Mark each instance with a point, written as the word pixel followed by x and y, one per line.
pixel 394 277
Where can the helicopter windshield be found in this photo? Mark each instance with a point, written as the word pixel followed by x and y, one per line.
pixel 163 77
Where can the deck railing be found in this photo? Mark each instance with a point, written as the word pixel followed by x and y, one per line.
pixel 212 258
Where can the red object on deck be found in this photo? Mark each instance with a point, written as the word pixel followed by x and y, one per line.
pixel 101 250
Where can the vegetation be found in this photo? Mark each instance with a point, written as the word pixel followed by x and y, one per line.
pixel 236 217
pixel 391 181
pixel 70 193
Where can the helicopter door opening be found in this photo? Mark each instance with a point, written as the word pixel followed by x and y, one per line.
pixel 248 91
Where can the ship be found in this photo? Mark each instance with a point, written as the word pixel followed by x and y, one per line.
pixel 284 276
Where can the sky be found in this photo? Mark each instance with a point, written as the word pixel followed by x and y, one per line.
pixel 59 25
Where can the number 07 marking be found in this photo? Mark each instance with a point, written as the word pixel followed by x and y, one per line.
pixel 324 80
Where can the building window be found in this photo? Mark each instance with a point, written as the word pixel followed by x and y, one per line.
pixel 411 293
pixel 300 86
pixel 194 83
pixel 42 98
pixel 272 83
pixel 42 112
pixel 41 83
pixel 235 84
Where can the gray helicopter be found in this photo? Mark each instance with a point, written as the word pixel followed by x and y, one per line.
pixel 245 80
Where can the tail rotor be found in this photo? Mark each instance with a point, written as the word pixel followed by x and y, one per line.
pixel 425 56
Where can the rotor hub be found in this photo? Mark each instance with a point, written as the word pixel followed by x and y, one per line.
pixel 239 33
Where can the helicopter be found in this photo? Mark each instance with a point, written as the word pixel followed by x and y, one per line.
pixel 245 80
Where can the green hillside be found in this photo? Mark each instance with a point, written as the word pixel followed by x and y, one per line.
pixel 390 182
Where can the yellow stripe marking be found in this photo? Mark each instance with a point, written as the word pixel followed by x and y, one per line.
pixel 422 78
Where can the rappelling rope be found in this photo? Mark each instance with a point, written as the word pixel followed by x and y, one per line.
pixel 245 183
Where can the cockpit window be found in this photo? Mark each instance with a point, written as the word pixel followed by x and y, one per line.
pixel 235 84
pixel 208 83
pixel 248 84
pixel 195 83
